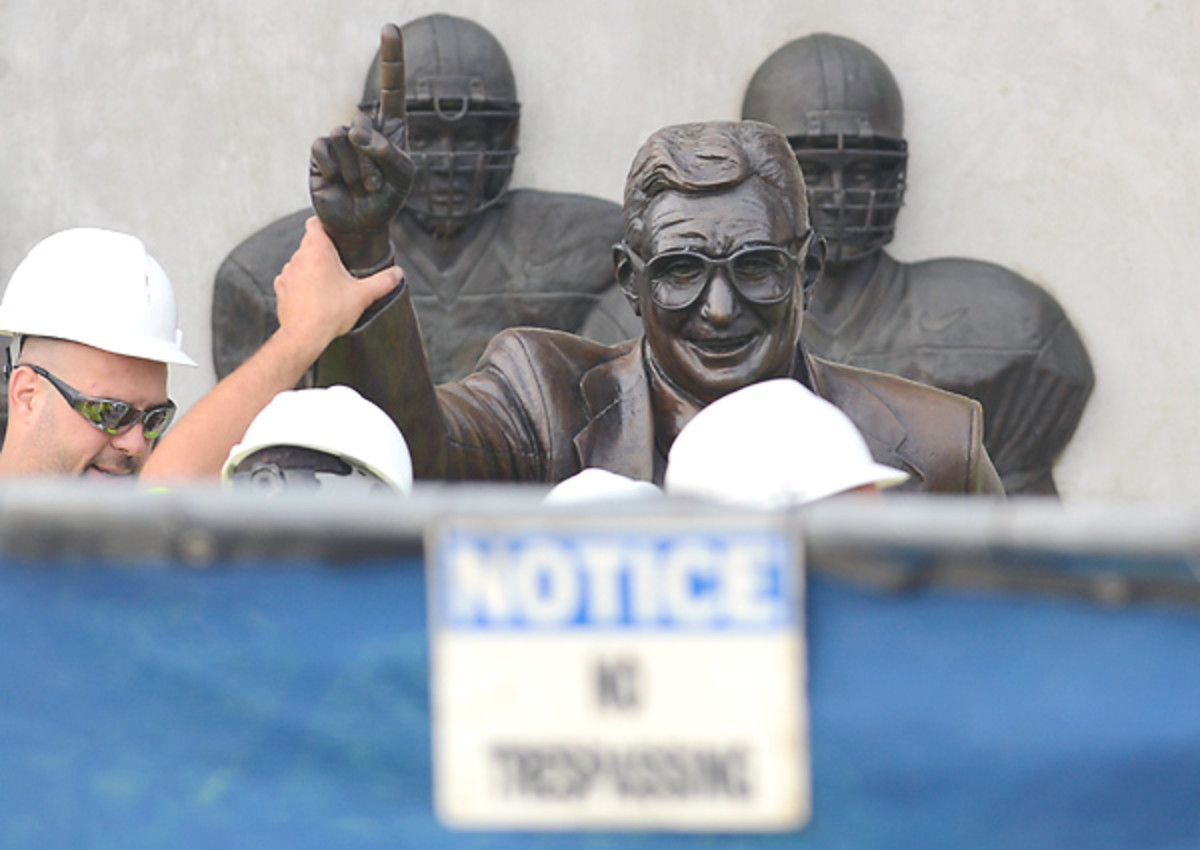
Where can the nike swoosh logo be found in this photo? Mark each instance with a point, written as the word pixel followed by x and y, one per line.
pixel 936 324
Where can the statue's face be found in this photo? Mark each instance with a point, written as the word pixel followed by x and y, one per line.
pixel 722 340
pixel 853 197
pixel 462 165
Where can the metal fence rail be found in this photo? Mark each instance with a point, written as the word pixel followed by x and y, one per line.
pixel 1113 554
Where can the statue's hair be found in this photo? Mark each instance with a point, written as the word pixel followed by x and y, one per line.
pixel 714 156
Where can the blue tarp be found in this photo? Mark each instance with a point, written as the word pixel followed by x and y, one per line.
pixel 286 705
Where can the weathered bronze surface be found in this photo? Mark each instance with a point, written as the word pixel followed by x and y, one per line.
pixel 970 327
pixel 716 257
pixel 478 257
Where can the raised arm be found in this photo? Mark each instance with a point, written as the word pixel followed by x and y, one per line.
pixel 318 302
pixel 360 178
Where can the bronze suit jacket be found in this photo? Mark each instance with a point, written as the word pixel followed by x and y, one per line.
pixel 542 405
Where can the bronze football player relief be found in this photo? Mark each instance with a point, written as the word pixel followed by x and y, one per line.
pixel 967 326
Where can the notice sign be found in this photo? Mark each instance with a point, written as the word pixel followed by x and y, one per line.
pixel 595 676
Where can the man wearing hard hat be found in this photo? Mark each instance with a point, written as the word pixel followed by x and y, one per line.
pixel 804 449
pixel 320 439
pixel 94 321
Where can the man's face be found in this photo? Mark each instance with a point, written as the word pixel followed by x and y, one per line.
pixel 276 469
pixel 61 441
pixel 722 341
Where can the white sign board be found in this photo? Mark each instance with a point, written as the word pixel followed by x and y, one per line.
pixel 646 677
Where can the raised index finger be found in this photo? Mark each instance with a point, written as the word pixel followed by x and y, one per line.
pixel 391 74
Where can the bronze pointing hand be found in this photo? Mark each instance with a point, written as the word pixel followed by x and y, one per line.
pixel 360 176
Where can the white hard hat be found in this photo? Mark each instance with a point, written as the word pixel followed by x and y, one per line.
pixel 336 420
pixel 99 288
pixel 599 485
pixel 770 445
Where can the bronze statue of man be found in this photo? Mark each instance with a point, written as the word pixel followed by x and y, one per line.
pixel 717 254
pixel 970 327
pixel 478 256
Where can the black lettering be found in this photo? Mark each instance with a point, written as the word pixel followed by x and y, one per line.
pixel 737 780
pixel 530 772
pixel 559 772
pixel 618 684
pixel 508 759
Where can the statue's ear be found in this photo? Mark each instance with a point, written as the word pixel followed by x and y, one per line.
pixel 623 268
pixel 814 264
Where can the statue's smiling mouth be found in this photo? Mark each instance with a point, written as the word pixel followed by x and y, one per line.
pixel 725 344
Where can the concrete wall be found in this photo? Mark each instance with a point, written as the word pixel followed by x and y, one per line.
pixel 1054 138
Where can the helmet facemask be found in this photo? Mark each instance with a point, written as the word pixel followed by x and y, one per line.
pixel 464 158
pixel 855 191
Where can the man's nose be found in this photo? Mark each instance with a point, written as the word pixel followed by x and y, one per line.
pixel 132 442
pixel 720 303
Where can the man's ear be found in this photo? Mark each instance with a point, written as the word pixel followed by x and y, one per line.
pixel 23 385
pixel 623 269
pixel 814 265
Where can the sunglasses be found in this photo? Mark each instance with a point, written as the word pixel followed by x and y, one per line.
pixel 275 469
pixel 109 415
pixel 677 278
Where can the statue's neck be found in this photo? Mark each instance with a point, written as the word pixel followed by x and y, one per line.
pixel 442 246
pixel 840 289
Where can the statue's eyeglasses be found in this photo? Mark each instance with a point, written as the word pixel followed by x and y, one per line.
pixel 109 415
pixel 761 273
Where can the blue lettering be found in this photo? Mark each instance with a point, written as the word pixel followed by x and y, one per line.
pixel 556 581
